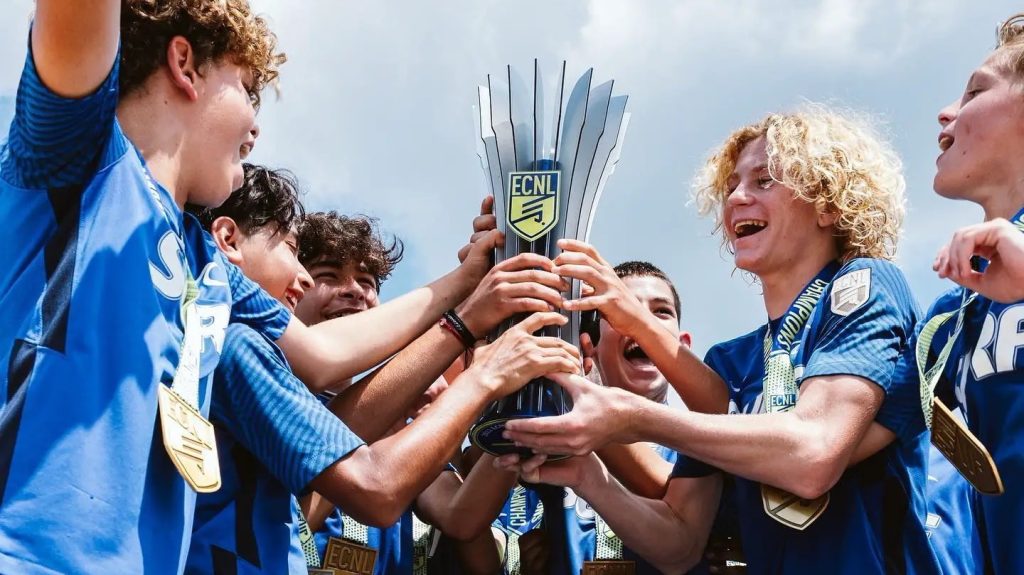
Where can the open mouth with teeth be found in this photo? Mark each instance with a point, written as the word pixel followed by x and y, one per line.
pixel 341 313
pixel 945 142
pixel 636 356
pixel 745 228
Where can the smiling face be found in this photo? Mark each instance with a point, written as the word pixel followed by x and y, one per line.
pixel 766 225
pixel 270 259
pixel 339 290
pixel 222 132
pixel 982 138
pixel 620 360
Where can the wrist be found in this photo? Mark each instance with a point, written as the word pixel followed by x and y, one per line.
pixel 490 383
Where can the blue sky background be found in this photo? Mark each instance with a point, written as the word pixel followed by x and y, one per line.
pixel 375 113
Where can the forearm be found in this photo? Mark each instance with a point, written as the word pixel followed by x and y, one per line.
pixel 74 43
pixel 650 527
pixel 786 450
pixel 479 556
pixel 334 350
pixel 700 388
pixel 316 509
pixel 637 467
pixel 477 502
pixel 377 483
pixel 372 405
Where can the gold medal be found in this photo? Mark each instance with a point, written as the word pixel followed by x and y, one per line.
pixel 315 571
pixel 967 454
pixel 789 509
pixel 189 441
pixel 609 567
pixel 347 558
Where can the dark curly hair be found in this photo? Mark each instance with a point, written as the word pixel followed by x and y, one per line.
pixel 333 239
pixel 267 198
pixel 215 29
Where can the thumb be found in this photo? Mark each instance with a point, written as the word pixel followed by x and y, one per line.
pixel 487 205
pixel 570 382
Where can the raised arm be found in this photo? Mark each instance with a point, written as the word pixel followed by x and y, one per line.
pixel 697 384
pixel 522 284
pixel 74 43
pixel 376 483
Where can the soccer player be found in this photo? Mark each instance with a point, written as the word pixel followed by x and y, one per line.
pixel 126 111
pixel 810 202
pixel 278 441
pixel 348 261
pixel 980 149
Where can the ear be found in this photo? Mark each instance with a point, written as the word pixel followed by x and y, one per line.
pixel 228 237
pixel 181 66
pixel 827 219
pixel 685 338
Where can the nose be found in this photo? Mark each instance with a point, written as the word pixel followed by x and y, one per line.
pixel 739 197
pixel 948 114
pixel 304 280
pixel 349 288
pixel 255 131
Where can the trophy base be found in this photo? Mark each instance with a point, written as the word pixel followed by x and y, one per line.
pixel 487 435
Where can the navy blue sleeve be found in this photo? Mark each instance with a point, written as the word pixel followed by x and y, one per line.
pixel 253 306
pixel 867 340
pixel 872 339
pixel 54 141
pixel 689 467
pixel 258 400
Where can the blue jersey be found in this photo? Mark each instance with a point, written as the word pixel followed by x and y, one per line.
pixel 985 378
pixel 274 437
pixel 91 283
pixel 874 522
pixel 577 541
pixel 523 512
pixel 951 528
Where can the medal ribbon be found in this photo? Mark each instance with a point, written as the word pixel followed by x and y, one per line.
pixel 780 391
pixel 308 543
pixel 780 388
pixel 929 378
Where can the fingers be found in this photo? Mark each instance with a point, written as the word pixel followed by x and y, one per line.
pixel 535 426
pixel 538 320
pixel 487 205
pixel 569 245
pixel 527 261
pixel 588 274
pixel 572 383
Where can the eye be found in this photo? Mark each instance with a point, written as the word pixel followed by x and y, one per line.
pixel 324 277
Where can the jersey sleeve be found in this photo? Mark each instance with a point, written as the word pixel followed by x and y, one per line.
pixel 864 340
pixel 253 306
pixel 57 142
pixel 872 339
pixel 270 412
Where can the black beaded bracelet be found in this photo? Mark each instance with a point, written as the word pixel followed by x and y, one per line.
pixel 459 327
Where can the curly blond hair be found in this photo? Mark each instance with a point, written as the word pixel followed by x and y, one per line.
pixel 215 28
pixel 835 160
pixel 1010 45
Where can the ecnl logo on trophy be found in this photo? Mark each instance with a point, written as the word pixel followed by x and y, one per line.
pixel 533 203
pixel 546 161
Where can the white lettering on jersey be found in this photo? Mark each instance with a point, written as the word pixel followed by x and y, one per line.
pixel 169 280
pixel 213 321
pixel 207 279
pixel 998 342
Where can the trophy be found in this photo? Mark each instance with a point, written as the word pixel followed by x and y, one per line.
pixel 546 165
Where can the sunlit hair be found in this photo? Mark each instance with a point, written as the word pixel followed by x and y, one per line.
pixel 835 160
pixel 1010 45
pixel 215 29
pixel 334 239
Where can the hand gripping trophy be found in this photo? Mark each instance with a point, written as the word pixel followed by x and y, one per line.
pixel 546 165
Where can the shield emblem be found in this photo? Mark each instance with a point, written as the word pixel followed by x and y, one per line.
pixel 790 510
pixel 533 203
pixel 851 291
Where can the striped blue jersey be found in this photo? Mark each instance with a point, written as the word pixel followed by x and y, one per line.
pixel 522 512
pixel 274 437
pixel 951 528
pixel 985 378
pixel 91 278
pixel 875 520
pixel 394 544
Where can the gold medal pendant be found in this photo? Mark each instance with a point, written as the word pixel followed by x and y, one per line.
pixel 790 510
pixel 189 441
pixel 315 571
pixel 343 557
pixel 605 567
pixel 964 450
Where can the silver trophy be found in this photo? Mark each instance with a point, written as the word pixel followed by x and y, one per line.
pixel 546 164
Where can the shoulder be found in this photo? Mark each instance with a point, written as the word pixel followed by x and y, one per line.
pixel 737 347
pixel 242 341
pixel 870 283
pixel 947 301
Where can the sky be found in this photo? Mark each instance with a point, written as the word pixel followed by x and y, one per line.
pixel 375 112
